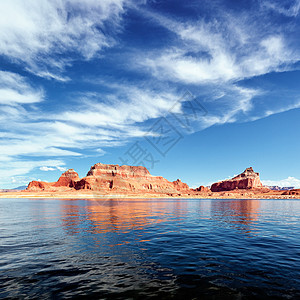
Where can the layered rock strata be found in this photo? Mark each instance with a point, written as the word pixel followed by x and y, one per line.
pixel 246 180
pixel 107 178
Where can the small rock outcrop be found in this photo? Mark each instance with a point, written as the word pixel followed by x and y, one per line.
pixel 67 180
pixel 202 188
pixel 292 192
pixel 38 186
pixel 246 180
pixel 179 185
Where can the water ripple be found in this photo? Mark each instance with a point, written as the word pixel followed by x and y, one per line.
pixel 149 248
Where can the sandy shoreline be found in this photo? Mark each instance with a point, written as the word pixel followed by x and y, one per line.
pixel 91 195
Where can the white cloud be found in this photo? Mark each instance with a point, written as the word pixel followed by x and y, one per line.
pixel 217 54
pixel 270 112
pixel 36 33
pixel 46 169
pixel 288 182
pixel 127 105
pixel 17 169
pixel 100 152
pixel 176 65
pixel 14 90
pixel 22 131
pixel 36 146
pixel 220 51
pixel 235 101
pixel 287 8
pixel 62 169
pixel 20 180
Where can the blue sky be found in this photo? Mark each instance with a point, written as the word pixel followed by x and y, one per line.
pixel 197 90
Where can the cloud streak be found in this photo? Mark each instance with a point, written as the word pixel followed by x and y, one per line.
pixel 217 54
pixel 287 8
pixel 222 50
pixel 15 90
pixel 37 34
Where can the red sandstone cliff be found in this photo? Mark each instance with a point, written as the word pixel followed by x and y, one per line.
pixel 246 180
pixel 67 180
pixel 129 180
pixel 38 186
pixel 117 178
pixel 113 178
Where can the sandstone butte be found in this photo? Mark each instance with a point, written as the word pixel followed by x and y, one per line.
pixel 116 179
pixel 244 181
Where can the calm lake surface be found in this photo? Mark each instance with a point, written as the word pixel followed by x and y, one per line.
pixel 149 248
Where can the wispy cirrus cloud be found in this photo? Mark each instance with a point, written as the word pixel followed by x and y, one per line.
pixel 228 48
pixel 21 129
pixel 13 171
pixel 15 90
pixel 122 107
pixel 233 104
pixel 38 34
pixel 285 7
pixel 218 54
pixel 271 111
pixel 46 169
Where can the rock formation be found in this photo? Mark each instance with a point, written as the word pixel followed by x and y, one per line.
pixel 246 180
pixel 39 186
pixel 114 178
pixel 109 179
pixel 292 192
pixel 67 180
pixel 132 181
pixel 202 188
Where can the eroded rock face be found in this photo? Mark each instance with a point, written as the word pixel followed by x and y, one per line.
pixel 292 192
pixel 202 188
pixel 114 178
pixel 38 186
pixel 179 185
pixel 246 180
pixel 129 179
pixel 67 179
pixel 116 170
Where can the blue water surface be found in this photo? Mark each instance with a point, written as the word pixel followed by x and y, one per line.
pixel 149 249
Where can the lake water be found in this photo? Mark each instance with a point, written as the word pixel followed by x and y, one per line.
pixel 149 249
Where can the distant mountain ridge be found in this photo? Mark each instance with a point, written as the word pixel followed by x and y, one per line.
pixel 279 188
pixel 19 188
